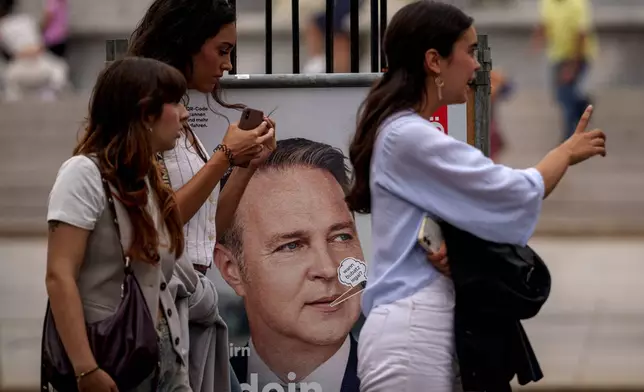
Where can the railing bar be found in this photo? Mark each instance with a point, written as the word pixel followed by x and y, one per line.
pixel 233 55
pixel 355 36
pixel 374 36
pixel 295 29
pixel 383 28
pixel 269 36
pixel 330 11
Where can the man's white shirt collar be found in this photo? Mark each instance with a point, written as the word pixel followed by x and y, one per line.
pixel 329 374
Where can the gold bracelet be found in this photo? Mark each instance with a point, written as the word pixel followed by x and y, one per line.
pixel 83 374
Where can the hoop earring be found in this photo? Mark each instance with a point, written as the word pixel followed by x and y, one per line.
pixel 439 86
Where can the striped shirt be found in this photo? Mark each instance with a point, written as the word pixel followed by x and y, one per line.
pixel 182 163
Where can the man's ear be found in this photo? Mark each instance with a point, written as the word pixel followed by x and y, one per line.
pixel 433 62
pixel 229 269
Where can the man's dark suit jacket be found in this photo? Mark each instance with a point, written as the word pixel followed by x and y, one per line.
pixel 350 381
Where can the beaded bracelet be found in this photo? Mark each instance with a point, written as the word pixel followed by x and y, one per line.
pixel 226 150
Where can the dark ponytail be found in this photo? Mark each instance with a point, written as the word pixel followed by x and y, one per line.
pixel 414 29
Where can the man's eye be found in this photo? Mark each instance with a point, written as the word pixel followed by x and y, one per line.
pixel 343 237
pixel 291 246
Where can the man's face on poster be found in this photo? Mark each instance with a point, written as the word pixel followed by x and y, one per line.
pixel 295 230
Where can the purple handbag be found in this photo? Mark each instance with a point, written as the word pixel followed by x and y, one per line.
pixel 124 344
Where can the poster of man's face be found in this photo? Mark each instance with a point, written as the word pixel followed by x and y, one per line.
pixel 291 231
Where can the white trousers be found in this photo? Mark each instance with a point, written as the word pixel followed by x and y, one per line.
pixel 408 345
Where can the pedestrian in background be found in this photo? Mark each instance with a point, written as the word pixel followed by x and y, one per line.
pixel 565 28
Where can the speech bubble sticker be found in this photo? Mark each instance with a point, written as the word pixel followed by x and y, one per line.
pixel 352 272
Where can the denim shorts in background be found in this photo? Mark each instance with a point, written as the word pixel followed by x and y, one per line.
pixel 340 16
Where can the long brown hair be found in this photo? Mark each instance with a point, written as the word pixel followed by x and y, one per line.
pixel 173 31
pixel 126 93
pixel 413 30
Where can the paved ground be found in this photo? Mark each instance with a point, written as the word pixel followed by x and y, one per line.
pixel 589 334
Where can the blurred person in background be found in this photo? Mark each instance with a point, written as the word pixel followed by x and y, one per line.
pixel 55 27
pixel 316 38
pixel 565 28
pixel 501 90
pixel 197 38
pixel 31 66
pixel 135 112
pixel 5 7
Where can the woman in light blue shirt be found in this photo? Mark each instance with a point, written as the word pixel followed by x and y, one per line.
pixel 405 168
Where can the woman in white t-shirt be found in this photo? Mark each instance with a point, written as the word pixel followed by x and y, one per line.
pixel 135 112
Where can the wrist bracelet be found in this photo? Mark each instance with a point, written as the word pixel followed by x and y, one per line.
pixel 226 150
pixel 83 374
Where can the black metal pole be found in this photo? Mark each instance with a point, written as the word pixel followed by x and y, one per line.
pixel 374 36
pixel 295 18
pixel 233 55
pixel 383 28
pixel 355 36
pixel 269 36
pixel 330 11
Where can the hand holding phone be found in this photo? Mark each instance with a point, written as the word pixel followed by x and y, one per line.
pixel 250 119
pixel 430 236
pixel 246 143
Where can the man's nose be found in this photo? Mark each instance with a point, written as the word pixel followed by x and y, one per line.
pixel 325 266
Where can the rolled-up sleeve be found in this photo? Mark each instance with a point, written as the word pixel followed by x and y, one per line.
pixel 457 183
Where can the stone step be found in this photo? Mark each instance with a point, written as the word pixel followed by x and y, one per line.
pixel 604 195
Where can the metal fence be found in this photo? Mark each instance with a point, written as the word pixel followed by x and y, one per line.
pixel 479 103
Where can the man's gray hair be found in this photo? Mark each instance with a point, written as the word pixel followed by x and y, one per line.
pixel 289 153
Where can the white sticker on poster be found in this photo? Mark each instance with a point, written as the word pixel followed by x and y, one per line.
pixel 352 272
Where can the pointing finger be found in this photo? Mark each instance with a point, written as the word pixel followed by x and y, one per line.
pixel 585 119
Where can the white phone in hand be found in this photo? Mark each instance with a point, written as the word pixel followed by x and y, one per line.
pixel 430 236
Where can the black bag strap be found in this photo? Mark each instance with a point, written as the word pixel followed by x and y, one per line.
pixel 110 204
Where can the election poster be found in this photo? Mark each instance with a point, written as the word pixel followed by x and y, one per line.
pixel 290 270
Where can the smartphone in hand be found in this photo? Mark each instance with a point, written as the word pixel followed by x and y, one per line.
pixel 430 236
pixel 250 119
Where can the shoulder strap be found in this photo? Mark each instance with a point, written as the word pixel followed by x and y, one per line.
pixel 110 204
